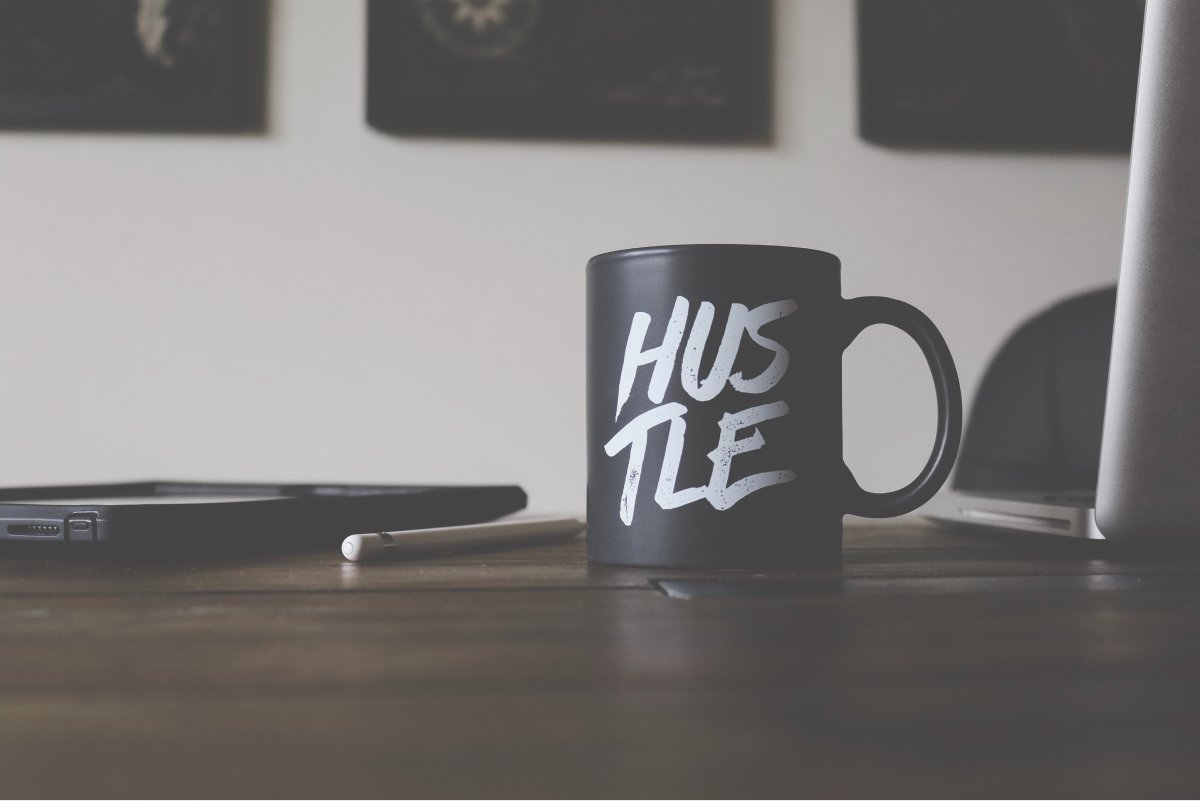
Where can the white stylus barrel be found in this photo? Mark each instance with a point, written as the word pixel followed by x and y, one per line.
pixel 357 547
pixel 521 531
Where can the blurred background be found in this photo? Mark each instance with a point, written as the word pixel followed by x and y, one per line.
pixel 203 291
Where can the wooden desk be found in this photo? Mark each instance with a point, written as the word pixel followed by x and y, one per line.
pixel 932 665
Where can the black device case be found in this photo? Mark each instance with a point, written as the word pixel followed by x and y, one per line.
pixel 303 516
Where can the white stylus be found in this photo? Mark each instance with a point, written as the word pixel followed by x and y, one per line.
pixel 520 531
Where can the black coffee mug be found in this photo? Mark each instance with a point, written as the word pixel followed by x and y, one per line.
pixel 714 391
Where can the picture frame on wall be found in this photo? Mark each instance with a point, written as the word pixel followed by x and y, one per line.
pixel 175 65
pixel 1039 74
pixel 686 70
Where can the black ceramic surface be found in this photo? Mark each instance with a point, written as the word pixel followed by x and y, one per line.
pixel 714 407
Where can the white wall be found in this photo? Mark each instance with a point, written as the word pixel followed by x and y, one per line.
pixel 328 303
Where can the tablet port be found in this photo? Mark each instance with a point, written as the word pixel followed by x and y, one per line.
pixel 81 527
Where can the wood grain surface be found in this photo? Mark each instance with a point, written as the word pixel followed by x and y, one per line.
pixel 933 665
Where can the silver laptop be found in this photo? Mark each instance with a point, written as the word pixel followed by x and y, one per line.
pixel 1149 481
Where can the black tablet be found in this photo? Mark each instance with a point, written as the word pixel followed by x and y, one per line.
pixel 178 517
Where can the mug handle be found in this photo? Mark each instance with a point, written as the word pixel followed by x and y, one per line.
pixel 861 313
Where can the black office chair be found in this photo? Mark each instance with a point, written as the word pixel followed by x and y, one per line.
pixel 1036 420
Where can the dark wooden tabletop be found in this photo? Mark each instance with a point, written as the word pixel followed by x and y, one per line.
pixel 933 664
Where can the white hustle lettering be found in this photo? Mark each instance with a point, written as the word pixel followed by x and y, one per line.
pixel 663 356
pixel 774 372
pixel 722 366
pixel 720 493
pixel 634 435
pixel 666 496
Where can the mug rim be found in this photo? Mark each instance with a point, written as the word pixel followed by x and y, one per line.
pixel 657 250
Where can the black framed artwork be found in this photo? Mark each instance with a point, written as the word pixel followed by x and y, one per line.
pixel 624 69
pixel 999 73
pixel 132 64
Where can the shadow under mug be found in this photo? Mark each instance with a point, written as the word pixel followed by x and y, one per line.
pixel 714 420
